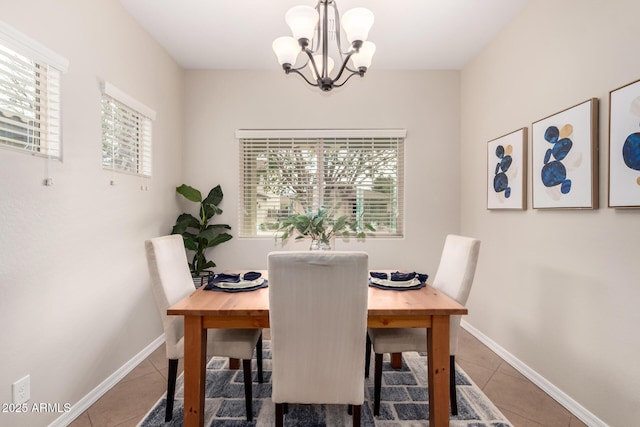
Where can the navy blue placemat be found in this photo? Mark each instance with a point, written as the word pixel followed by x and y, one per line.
pixel 398 277
pixel 235 278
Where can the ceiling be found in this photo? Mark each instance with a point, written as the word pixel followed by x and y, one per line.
pixel 237 34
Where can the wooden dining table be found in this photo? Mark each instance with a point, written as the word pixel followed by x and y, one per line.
pixel 419 308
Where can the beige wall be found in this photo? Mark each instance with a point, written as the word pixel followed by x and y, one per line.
pixel 426 103
pixel 559 289
pixel 75 303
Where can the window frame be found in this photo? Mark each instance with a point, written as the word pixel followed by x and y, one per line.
pixel 45 114
pixel 248 229
pixel 125 111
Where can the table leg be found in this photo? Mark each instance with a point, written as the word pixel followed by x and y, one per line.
pixel 195 357
pixel 438 371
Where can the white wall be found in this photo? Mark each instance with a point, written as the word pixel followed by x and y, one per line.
pixel 426 103
pixel 75 303
pixel 557 289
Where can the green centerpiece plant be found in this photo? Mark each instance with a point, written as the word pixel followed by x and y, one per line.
pixel 198 234
pixel 321 227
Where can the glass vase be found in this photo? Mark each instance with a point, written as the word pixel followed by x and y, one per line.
pixel 319 245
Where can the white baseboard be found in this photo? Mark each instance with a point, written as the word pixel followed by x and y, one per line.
pixel 558 395
pixel 106 385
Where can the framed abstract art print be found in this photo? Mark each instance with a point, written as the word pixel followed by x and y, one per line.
pixel 507 171
pixel 564 160
pixel 624 146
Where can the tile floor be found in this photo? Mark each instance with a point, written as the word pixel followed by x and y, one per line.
pixel 523 403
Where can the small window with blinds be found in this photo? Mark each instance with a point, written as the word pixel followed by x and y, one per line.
pixel 30 77
pixel 126 133
pixel 357 173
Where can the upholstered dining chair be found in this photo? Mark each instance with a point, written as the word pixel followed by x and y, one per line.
pixel 454 277
pixel 171 281
pixel 318 323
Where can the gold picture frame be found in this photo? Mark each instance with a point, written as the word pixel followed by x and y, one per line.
pixel 507 171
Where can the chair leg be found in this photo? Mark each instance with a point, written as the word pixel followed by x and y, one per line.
pixel 246 366
pixel 356 415
pixel 452 385
pixel 377 384
pixel 279 415
pixel 367 357
pixel 171 388
pixel 259 359
pixel 396 360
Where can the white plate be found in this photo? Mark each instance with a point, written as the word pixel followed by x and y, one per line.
pixel 241 284
pixel 395 283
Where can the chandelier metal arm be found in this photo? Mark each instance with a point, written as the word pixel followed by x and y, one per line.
pixel 323 81
pixel 313 63
pixel 353 73
pixel 295 70
pixel 344 65
pixel 291 68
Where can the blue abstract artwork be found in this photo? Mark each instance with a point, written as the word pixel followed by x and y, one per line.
pixel 565 158
pixel 506 171
pixel 501 180
pixel 554 172
pixel 631 151
pixel 624 146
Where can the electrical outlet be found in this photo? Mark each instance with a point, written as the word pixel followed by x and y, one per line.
pixel 22 390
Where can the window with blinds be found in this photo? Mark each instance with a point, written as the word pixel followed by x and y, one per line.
pixel 359 174
pixel 126 133
pixel 30 77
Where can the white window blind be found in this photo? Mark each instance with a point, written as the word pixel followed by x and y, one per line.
pixel 126 133
pixel 359 173
pixel 30 77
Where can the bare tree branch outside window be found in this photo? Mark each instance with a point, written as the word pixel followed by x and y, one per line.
pixel 355 177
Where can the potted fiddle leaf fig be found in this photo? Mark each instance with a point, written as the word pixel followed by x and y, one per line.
pixel 198 234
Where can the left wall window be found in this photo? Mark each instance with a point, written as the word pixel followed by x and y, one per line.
pixel 30 77
pixel 126 133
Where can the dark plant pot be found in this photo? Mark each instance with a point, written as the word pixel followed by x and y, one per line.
pixel 202 278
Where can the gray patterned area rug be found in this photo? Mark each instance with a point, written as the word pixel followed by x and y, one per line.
pixel 404 401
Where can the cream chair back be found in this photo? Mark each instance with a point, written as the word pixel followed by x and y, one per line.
pixel 318 321
pixel 170 281
pixel 455 275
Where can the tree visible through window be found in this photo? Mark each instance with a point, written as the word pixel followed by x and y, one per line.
pixel 357 176
pixel 126 133
pixel 29 101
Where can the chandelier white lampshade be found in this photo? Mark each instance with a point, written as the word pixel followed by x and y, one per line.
pixel 302 20
pixel 356 23
pixel 317 59
pixel 286 49
pixel 311 29
pixel 362 59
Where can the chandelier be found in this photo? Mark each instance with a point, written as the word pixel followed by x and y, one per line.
pixel 303 21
